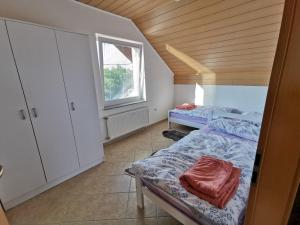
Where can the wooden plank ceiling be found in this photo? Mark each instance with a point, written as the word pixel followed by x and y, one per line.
pixel 208 41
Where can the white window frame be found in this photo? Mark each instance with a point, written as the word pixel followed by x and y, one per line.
pixel 126 43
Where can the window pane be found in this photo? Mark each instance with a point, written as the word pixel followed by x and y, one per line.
pixel 121 65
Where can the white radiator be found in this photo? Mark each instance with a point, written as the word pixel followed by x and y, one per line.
pixel 125 122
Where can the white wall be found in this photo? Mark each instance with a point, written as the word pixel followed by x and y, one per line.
pixel 248 98
pixel 73 16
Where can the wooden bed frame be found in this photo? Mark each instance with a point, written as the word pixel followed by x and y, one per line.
pixel 142 190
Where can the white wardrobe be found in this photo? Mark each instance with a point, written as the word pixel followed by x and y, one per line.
pixel 49 126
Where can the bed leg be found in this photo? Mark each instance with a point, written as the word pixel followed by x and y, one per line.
pixel 139 193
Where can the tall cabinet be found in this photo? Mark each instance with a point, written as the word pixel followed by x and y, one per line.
pixel 49 126
pixel 19 156
pixel 78 74
pixel 37 60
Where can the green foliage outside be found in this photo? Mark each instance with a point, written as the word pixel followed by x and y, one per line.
pixel 118 81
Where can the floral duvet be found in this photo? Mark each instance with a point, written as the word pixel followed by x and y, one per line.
pixel 164 168
pixel 205 111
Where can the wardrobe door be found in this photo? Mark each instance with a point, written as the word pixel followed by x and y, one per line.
pixel 77 69
pixel 19 155
pixel 37 60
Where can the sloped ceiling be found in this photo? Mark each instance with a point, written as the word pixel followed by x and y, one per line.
pixel 208 41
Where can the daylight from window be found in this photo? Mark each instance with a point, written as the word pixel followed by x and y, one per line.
pixel 121 68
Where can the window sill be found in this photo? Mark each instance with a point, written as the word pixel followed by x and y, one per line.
pixel 123 105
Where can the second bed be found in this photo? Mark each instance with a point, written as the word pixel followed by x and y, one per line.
pixel 197 117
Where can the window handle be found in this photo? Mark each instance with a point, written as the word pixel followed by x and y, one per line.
pixel 22 114
pixel 72 106
pixel 34 112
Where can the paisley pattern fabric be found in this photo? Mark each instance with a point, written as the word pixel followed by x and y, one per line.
pixel 206 111
pixel 240 128
pixel 164 168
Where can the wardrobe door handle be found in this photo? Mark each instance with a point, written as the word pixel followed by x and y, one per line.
pixel 22 114
pixel 34 112
pixel 72 106
pixel 1 170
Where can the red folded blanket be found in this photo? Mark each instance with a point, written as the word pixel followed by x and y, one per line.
pixel 186 106
pixel 211 179
pixel 208 175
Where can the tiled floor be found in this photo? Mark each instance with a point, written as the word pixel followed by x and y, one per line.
pixel 102 195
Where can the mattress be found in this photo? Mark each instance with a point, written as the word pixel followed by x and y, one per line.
pixel 193 119
pixel 161 172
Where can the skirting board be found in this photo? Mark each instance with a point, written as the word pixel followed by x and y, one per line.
pixel 27 196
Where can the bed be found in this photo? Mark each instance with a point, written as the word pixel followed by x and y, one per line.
pixel 157 176
pixel 197 117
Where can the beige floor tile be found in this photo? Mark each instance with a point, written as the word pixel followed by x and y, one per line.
pixel 138 141
pixel 161 144
pixel 141 221
pixel 71 208
pixel 108 168
pixel 143 147
pixel 99 184
pixel 33 211
pixel 168 221
pixel 108 184
pixel 160 126
pixel 112 155
pixel 141 154
pixel 119 146
pixel 137 144
pixel 134 212
pixel 157 138
pixel 100 222
pixel 92 207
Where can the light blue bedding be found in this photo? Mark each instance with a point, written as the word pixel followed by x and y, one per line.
pixel 164 168
pixel 205 111
pixel 244 129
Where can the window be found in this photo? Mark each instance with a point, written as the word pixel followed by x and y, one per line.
pixel 122 71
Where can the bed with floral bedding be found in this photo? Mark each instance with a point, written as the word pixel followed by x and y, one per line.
pixel 197 117
pixel 220 140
